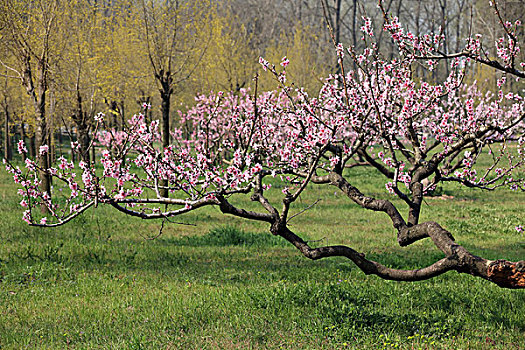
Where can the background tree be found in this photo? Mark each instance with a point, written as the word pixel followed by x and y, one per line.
pixel 5 103
pixel 306 57
pixel 230 60
pixel 29 32
pixel 175 45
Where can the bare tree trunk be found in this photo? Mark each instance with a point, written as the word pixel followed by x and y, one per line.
pixel 122 114
pixel 82 129
pixel 73 156
pixel 51 144
pixel 165 94
pixel 444 24
pixel 51 134
pixel 60 141
pixel 393 45
pixel 8 153
pixel 37 89
pixel 460 5
pixel 23 138
pixel 337 21
pixel 354 24
pixel 42 138
pixel 32 143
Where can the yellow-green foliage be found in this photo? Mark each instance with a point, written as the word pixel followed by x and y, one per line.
pixel 305 51
pixel 229 62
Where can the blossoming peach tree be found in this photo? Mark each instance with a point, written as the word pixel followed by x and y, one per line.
pixel 415 133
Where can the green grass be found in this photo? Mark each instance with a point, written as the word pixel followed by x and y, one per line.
pixel 228 284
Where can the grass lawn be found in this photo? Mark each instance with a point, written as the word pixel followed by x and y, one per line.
pixel 228 284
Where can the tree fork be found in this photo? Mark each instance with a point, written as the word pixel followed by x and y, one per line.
pixel 504 273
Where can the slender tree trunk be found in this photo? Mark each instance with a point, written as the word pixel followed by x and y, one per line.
pixel 354 30
pixel 393 45
pixel 60 140
pixel 23 138
pixel 42 138
pixel 51 129
pixel 444 24
pixel 8 153
pixel 461 4
pixel 84 141
pixel 82 129
pixel 165 94
pixel 73 154
pixel 37 93
pixel 165 120
pixel 354 23
pixel 32 143
pixel 51 143
pixel 122 115
pixel 337 21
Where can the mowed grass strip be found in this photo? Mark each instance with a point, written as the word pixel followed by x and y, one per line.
pixel 227 283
